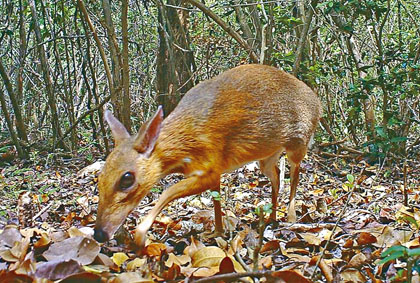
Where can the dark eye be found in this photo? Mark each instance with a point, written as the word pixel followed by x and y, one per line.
pixel 127 180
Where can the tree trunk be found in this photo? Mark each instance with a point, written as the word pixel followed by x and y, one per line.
pixel 57 135
pixel 126 113
pixel 20 125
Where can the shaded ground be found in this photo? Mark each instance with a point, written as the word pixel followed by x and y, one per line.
pixel 349 213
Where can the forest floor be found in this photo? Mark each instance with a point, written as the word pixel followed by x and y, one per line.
pixel 349 213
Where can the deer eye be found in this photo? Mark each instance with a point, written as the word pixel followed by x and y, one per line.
pixel 127 180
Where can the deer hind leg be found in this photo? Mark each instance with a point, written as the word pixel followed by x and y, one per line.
pixel 270 169
pixel 295 151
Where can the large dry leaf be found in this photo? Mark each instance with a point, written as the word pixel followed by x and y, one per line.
pixel 9 236
pixel 57 269
pixel 119 258
pixel 130 277
pixel 352 276
pixel 211 257
pixel 195 246
pixel 155 250
pixel 80 249
pixel 11 276
pixel 179 260
pixel 85 277
pixel 290 276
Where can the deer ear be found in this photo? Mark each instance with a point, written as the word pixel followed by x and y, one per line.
pixel 148 134
pixel 119 132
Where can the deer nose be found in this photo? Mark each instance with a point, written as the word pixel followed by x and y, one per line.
pixel 100 235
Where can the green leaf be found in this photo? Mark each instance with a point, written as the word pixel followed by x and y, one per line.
pixel 267 207
pixel 413 252
pixel 350 178
pixel 393 249
pixel 215 195
pixel 391 257
pixel 398 139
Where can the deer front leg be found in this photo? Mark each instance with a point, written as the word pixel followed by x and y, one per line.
pixel 190 186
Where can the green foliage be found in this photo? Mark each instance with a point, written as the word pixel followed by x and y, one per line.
pixel 266 209
pixel 215 195
pixel 410 256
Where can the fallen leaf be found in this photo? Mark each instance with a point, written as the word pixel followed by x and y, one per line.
pixel 85 277
pixel 195 246
pixel 180 260
pixel 270 246
pixel 211 257
pixel 136 263
pixel 290 276
pixel 9 236
pixel 352 276
pixel 130 277
pixel 226 266
pixel 366 238
pixel 172 273
pixel 155 250
pixel 57 269
pixel 119 258
pixel 358 260
pixel 83 250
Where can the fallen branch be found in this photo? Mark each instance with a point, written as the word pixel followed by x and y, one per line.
pixel 300 227
pixel 43 210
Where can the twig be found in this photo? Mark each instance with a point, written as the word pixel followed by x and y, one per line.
pixel 241 261
pixel 232 276
pixel 42 211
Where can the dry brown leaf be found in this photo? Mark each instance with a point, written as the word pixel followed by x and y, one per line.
pixel 75 232
pixel 9 236
pixel 237 242
pixel 265 263
pixel 290 276
pixel 172 273
pixel 357 260
pixel 43 242
pixel 179 260
pixel 311 239
pixel 366 238
pixel 226 266
pixel 119 258
pixel 83 250
pixel 136 263
pixel 352 276
pixel 195 246
pixel 270 246
pixel 130 277
pixel 211 257
pixel 55 270
pixel 155 250
pixel 391 237
pixel 85 277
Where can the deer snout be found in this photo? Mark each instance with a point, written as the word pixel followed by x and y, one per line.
pixel 100 235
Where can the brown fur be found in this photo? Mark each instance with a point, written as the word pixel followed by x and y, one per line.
pixel 252 112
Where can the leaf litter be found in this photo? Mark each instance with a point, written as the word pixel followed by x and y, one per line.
pixel 348 215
